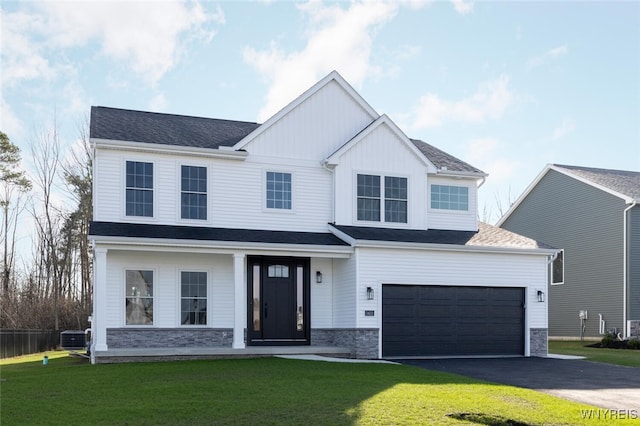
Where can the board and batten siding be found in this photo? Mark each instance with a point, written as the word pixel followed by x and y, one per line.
pixel 315 128
pixel 381 153
pixel 634 263
pixel 236 192
pixel 166 286
pixel 344 292
pixel 453 219
pixel 377 267
pixel 587 223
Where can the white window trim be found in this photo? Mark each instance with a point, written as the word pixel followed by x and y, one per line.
pixel 123 294
pixel 564 259
pixel 382 199
pixel 209 273
pixel 179 193
pixel 447 211
pixel 123 188
pixel 263 189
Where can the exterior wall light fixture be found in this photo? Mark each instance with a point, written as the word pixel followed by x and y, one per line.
pixel 318 277
pixel 540 296
pixel 369 293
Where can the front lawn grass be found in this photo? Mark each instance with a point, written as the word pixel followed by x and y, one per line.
pixel 626 357
pixel 263 391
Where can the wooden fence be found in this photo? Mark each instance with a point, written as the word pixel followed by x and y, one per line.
pixel 24 342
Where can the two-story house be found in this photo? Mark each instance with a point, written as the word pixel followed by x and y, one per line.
pixel 593 216
pixel 323 230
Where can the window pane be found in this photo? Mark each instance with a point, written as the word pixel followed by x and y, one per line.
pixel 139 189
pixel 558 268
pixel 278 190
pixel 256 297
pixel 299 298
pixel 448 197
pixel 278 271
pixel 194 193
pixel 369 209
pixel 395 211
pixel 194 298
pixel 139 297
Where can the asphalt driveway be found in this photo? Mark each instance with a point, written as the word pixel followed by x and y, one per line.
pixel 601 385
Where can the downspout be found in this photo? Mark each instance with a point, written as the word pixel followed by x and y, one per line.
pixel 625 280
pixel 325 166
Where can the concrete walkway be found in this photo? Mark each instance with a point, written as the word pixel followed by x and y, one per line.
pixel 601 385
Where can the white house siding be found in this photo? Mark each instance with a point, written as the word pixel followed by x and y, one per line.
pixel 166 286
pixel 451 219
pixel 315 128
pixel 418 267
pixel 236 192
pixel 322 293
pixel 344 292
pixel 380 153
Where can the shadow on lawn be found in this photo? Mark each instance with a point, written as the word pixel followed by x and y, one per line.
pixel 487 419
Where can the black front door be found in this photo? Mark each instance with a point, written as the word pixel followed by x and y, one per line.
pixel 278 298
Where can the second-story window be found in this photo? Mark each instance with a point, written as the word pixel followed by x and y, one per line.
pixel 371 202
pixel 139 189
pixel 278 194
pixel 449 197
pixel 193 195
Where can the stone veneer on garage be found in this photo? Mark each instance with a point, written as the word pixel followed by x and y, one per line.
pixel 538 341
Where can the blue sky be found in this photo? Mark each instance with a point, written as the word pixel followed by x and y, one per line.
pixel 506 86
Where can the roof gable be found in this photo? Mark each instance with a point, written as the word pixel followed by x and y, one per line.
pixel 620 183
pixel 333 76
pixel 383 120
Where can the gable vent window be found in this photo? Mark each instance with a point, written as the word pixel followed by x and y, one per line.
pixel 449 197
pixel 370 202
pixel 139 189
pixel 193 196
pixel 279 190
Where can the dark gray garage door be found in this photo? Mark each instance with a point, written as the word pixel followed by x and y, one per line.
pixel 448 320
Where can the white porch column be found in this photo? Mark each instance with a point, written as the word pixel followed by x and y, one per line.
pixel 98 328
pixel 239 300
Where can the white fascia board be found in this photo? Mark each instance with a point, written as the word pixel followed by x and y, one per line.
pixel 332 76
pixel 219 247
pixel 451 247
pixel 458 174
pixel 334 158
pixel 343 236
pixel 167 149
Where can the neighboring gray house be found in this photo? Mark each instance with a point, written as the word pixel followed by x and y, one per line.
pixel 593 215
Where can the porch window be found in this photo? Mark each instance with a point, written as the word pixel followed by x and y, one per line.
pixel 193 195
pixel 139 189
pixel 193 298
pixel 139 297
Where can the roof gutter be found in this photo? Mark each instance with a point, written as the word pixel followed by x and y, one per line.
pixel 168 149
pixel 625 268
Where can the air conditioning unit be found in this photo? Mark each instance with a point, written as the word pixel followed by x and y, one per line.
pixel 73 340
pixel 633 328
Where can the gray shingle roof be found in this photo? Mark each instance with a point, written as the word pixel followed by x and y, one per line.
pixel 169 129
pixel 442 160
pixel 622 181
pixel 141 230
pixel 486 236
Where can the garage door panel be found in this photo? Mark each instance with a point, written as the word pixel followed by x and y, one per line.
pixel 451 320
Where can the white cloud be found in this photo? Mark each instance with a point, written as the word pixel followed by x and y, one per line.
pixel 9 123
pixel 486 154
pixel 567 126
pixel 337 38
pixel 462 7
pixel 549 55
pixel 490 101
pixel 158 103
pixel 148 39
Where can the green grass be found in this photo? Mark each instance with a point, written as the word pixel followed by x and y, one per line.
pixel 626 357
pixel 262 391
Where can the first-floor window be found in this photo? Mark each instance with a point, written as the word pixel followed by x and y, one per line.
pixel 558 269
pixel 193 298
pixel 139 297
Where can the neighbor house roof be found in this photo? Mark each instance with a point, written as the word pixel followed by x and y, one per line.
pixel 172 232
pixel 624 182
pixel 167 129
pixel 487 236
